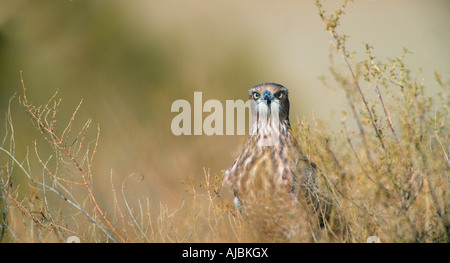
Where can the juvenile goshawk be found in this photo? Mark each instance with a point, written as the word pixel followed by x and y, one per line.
pixel 274 184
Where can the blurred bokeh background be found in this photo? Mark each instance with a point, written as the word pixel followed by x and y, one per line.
pixel 130 60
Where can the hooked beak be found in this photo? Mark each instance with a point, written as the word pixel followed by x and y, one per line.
pixel 268 97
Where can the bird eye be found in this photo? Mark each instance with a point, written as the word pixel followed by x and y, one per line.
pixel 256 95
pixel 279 95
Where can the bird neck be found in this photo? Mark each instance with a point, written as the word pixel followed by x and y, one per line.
pixel 269 131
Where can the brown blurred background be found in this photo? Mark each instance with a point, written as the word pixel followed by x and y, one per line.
pixel 130 60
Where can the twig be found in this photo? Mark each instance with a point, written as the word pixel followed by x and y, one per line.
pixel 130 211
pixel 60 143
pixel 78 207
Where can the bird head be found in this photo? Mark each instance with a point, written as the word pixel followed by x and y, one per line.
pixel 270 102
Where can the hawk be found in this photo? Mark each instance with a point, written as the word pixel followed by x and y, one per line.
pixel 274 184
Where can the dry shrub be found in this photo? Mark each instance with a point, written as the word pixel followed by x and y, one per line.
pixel 390 174
pixel 387 168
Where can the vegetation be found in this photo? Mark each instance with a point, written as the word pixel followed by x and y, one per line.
pixel 387 168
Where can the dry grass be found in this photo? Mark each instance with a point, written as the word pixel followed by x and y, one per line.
pixel 388 169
